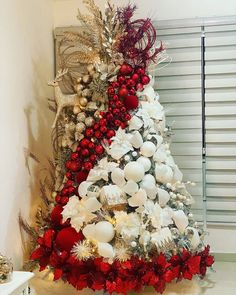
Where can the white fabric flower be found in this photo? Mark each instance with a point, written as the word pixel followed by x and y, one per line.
pixel 128 225
pixel 161 236
pixel 147 121
pixel 80 211
pixel 112 194
pixel 153 212
pixel 101 170
pixel 154 110
pixel 135 123
pixel 120 144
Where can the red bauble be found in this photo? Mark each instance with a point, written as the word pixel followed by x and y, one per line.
pixel 56 216
pixel 132 92
pixel 69 183
pixel 110 91
pixel 145 79
pixel 87 165
pixel 139 87
pixel 64 192
pixel 130 83
pixel 103 129
pixel 116 112
pixel 66 238
pixel 71 190
pixel 99 149
pixel 110 133
pixel 58 198
pixel 74 156
pixel 64 200
pixel 114 84
pixel 89 132
pixel 117 123
pixel 121 79
pixel 81 176
pixel 91 145
pixel 131 102
pixel 93 158
pixel 69 175
pixel 115 97
pixel 85 153
pixel 123 92
pixel 135 77
pixel 127 117
pixel 140 71
pixel 119 104
pixel 123 125
pixel 84 142
pixel 102 122
pixel 109 117
pixel 74 166
pixel 98 134
pixel 96 126
pixel 123 110
pixel 125 69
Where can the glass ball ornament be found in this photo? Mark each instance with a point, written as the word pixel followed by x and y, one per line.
pixel 134 171
pixel 148 149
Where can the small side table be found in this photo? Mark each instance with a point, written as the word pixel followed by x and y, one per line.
pixel 19 285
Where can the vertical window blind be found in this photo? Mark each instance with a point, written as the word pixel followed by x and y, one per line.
pixel 198 91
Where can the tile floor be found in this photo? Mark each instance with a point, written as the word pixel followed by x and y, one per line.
pixel 220 282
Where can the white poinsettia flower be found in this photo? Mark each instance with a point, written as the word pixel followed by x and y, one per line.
pixel 153 212
pixel 80 211
pixel 147 121
pixel 120 144
pixel 127 225
pixel 112 195
pixel 138 199
pixel 161 236
pixel 149 93
pixel 154 110
pixel 101 170
pixel 135 123
pixel 166 216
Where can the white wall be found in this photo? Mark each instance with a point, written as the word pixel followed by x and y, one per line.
pixel 26 63
pixel 65 11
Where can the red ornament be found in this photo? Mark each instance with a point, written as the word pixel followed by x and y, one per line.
pixel 58 198
pixel 119 104
pixel 123 125
pixel 98 134
pixel 93 158
pixel 99 149
pixel 84 142
pixel 66 238
pixel 81 176
pixel 91 145
pixel 116 112
pixel 64 200
pixel 115 84
pixel 127 117
pixel 123 109
pixel 130 83
pixel 69 183
pixel 139 87
pixel 131 102
pixel 71 190
pixel 121 79
pixel 115 97
pixel 123 92
pixel 135 77
pixel 85 153
pixel 103 129
pixel 109 117
pixel 110 133
pixel 140 71
pixel 125 69
pixel 117 123
pixel 110 91
pixel 56 216
pixel 64 192
pixel 87 165
pixel 89 132
pixel 69 175
pixel 132 92
pixel 145 79
pixel 73 166
pixel 74 156
pixel 96 126
pixel 102 122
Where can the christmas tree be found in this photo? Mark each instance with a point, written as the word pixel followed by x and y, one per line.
pixel 118 218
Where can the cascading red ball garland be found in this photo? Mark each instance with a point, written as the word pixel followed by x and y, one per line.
pixel 56 243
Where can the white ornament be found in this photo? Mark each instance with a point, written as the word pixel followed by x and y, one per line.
pixel 163 197
pixel 105 250
pixel 180 220
pixel 111 194
pixel 130 187
pixel 149 185
pixel 89 231
pixel 127 158
pixel 145 162
pixel 134 171
pixel 138 199
pixel 134 154
pixel 136 140
pixel 163 173
pixel 118 176
pixel 135 123
pixel 104 231
pixel 133 244
pixel 148 149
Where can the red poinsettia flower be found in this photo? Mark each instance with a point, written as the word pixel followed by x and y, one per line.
pixel 206 260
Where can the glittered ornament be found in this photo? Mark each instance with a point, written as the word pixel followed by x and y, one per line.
pixel 131 102
pixel 66 238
